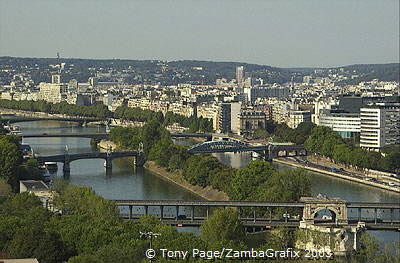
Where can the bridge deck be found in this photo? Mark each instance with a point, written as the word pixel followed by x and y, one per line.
pixel 203 203
pixel 78 156
pixel 267 223
pixel 363 205
pixel 84 135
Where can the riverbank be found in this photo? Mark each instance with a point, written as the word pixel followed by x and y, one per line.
pixel 337 175
pixel 105 145
pixel 207 193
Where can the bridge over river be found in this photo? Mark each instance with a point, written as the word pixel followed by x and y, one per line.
pixel 263 214
pixel 106 135
pixel 108 156
pixel 266 151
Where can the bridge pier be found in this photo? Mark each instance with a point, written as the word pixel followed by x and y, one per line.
pixel 139 160
pixel 66 167
pixel 108 163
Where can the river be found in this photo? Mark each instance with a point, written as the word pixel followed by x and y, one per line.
pixel 126 182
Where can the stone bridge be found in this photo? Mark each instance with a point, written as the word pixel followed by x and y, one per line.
pixel 80 120
pixel 67 158
pixel 79 135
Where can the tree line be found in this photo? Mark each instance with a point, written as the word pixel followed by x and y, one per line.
pixel 193 123
pixel 13 167
pixel 328 143
pixel 97 110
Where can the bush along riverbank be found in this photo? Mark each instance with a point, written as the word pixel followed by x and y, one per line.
pixel 257 181
pixel 176 177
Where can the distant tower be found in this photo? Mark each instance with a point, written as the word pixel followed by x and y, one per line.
pixel 56 79
pixel 239 74
pixel 58 55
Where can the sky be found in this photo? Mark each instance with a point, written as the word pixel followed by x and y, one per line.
pixel 282 33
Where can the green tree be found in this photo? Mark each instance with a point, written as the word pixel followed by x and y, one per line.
pixel 5 188
pixel 10 159
pixel 285 186
pixel 261 133
pixel 222 228
pixel 246 179
pixel 83 201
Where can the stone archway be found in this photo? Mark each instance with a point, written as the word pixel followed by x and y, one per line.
pixel 333 212
pixel 313 205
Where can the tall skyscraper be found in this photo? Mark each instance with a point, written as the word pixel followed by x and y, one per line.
pixel 239 74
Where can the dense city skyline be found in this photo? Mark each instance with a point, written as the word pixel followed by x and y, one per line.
pixel 282 34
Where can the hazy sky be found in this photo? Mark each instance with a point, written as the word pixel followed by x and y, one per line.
pixel 273 32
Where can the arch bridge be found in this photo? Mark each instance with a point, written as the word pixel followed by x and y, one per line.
pixel 268 151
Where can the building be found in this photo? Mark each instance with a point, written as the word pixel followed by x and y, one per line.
pixel 296 117
pixel 267 92
pixel 93 81
pixel 229 117
pixel 239 74
pixel 348 125
pixel 380 125
pixel 56 79
pixel 38 188
pixel 54 91
pixel 251 120
pixel 235 117
pixel 224 118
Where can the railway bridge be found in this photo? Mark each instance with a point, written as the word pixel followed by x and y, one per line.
pixel 373 216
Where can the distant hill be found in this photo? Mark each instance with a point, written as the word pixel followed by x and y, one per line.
pixel 194 71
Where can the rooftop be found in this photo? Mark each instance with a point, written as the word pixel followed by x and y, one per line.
pixel 32 185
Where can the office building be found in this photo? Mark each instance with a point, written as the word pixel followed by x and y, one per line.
pixel 348 125
pixel 380 125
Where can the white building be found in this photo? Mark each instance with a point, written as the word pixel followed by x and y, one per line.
pixel 296 117
pixel 52 92
pixel 380 125
pixel 235 117
pixel 346 124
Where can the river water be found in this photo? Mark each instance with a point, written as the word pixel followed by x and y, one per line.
pixel 127 182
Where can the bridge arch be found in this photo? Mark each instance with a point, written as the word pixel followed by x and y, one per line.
pixel 218 146
pixel 336 206
pixel 333 213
